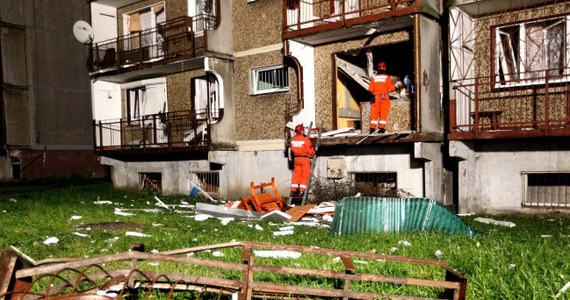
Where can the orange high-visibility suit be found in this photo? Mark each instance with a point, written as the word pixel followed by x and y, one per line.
pixel 302 149
pixel 380 86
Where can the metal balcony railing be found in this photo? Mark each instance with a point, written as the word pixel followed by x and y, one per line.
pixel 175 39
pixel 301 17
pixel 179 129
pixel 535 104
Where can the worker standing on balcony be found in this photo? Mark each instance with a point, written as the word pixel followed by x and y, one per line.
pixel 303 150
pixel 380 86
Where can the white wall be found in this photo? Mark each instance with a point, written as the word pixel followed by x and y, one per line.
pixel 106 100
pixel 490 178
pixel 103 21
pixel 305 54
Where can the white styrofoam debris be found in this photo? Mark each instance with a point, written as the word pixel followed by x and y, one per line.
pixel 438 253
pixel 120 212
pixel 495 222
pixel 160 203
pixel 201 217
pixel 157 224
pixel 277 253
pixel 217 254
pixel 405 243
pixel 75 217
pixel 13 200
pixel 101 202
pixel 154 251
pixel 286 228
pixel 80 234
pixel 393 249
pixel 51 240
pixel 563 290
pixel 257 227
pixel 134 233
pixel 285 232
pixel 226 221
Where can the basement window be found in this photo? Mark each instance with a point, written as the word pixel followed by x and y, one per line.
pixel 151 182
pixel 272 79
pixel 378 183
pixel 548 189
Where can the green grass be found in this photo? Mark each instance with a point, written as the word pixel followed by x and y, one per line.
pixel 529 261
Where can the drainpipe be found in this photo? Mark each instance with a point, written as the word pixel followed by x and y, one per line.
pixel 417 73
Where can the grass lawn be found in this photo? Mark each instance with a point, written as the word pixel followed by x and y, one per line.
pixel 528 261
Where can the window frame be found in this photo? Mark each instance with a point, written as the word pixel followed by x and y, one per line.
pixel 255 89
pixel 502 36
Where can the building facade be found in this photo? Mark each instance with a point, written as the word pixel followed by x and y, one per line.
pixel 202 93
pixel 45 98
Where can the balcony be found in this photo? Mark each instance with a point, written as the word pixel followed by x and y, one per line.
pixel 491 108
pixel 173 40
pixel 321 21
pixel 172 132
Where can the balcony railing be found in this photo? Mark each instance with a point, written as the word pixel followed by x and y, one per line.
pixel 163 132
pixel 486 108
pixel 302 17
pixel 175 39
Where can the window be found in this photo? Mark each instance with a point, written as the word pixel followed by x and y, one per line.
pixel 548 189
pixel 528 53
pixel 270 80
pixel 203 13
pixel 145 101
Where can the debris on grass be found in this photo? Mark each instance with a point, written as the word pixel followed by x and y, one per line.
pixel 138 234
pixel 495 222
pixel 563 290
pixel 102 202
pixel 76 217
pixel 277 254
pixel 120 212
pixel 80 234
pixel 51 240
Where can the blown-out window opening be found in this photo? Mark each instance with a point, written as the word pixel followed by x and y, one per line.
pixel 532 52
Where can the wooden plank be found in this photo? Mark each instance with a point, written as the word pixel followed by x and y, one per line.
pixel 298 212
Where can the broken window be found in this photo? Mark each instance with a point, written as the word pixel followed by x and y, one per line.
pixel 270 80
pixel 531 52
pixel 203 13
pixel 145 101
pixel 206 95
pixel 377 183
pixel 547 189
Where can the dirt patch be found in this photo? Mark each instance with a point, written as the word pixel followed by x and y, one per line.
pixel 114 226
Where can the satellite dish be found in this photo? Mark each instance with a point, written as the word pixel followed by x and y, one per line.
pixel 83 32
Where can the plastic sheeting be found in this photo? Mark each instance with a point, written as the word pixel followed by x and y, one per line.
pixel 374 214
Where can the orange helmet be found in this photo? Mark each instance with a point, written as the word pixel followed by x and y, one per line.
pixel 382 66
pixel 299 129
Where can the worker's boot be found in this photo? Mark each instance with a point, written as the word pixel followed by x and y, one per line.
pixel 296 197
pixel 371 131
pixel 382 130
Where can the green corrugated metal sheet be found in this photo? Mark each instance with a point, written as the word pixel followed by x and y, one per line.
pixel 373 214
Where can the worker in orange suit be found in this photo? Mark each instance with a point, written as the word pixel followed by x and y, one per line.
pixel 303 151
pixel 380 86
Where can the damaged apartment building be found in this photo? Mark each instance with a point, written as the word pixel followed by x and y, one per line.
pixel 198 93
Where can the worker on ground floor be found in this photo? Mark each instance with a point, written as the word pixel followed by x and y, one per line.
pixel 303 151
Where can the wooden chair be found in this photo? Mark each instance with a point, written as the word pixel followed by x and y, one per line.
pixel 261 200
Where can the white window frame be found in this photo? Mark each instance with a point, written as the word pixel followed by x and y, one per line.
pixel 271 71
pixel 201 19
pixel 521 75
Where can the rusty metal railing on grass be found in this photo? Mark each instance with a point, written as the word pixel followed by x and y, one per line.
pixel 251 276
